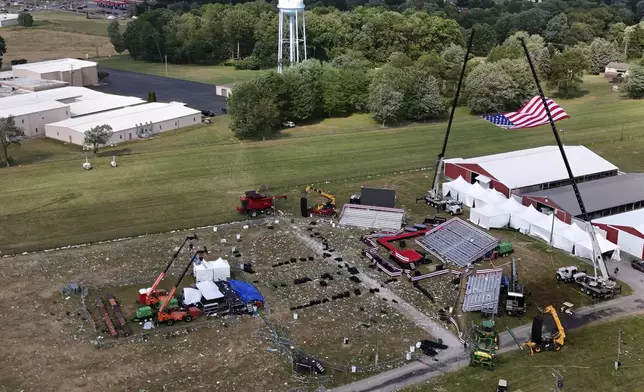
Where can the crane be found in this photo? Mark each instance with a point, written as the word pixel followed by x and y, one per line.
pixel 178 315
pixel 605 280
pixel 555 341
pixel 324 209
pixel 153 295
pixel 435 195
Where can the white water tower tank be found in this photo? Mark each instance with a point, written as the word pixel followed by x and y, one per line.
pixel 293 12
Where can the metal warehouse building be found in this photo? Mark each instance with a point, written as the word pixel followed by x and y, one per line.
pixel 530 170
pixel 156 117
pixel 73 71
pixel 625 230
pixel 33 110
pixel 604 197
pixel 32 117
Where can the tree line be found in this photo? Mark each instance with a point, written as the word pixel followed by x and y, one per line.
pixel 408 90
pixel 244 33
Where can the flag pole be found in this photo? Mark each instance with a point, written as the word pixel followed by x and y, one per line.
pixel 439 160
pixel 582 207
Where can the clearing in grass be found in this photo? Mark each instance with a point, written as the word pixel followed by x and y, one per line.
pixel 212 74
pixel 72 22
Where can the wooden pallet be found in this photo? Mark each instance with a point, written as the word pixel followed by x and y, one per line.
pixel 127 331
pixel 106 317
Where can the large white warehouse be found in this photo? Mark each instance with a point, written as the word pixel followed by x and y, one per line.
pixel 126 123
pixel 33 110
pixel 73 71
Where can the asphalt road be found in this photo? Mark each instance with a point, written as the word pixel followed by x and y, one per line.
pixel 196 95
pixel 421 371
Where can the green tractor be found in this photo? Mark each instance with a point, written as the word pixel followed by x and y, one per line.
pixel 504 249
pixel 487 334
pixel 485 342
pixel 147 312
pixel 483 358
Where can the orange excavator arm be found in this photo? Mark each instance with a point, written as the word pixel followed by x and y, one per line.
pixel 174 257
pixel 174 288
pixel 561 338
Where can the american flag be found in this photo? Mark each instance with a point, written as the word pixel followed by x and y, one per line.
pixel 532 114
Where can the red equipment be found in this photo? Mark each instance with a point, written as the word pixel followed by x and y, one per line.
pixel 179 314
pixel 253 203
pixel 406 256
pixel 153 295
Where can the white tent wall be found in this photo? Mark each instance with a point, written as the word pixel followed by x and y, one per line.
pixel 456 189
pixel 489 216
pixel 475 196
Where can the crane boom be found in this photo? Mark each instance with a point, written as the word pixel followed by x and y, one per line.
pixel 562 332
pixel 165 303
pixel 167 267
pixel 597 254
pixel 327 196
pixel 435 192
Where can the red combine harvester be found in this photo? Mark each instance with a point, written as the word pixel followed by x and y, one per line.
pixel 154 295
pixel 253 203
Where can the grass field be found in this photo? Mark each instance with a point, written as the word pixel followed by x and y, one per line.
pixel 213 74
pixel 71 22
pixel 36 44
pixel 194 177
pixel 586 363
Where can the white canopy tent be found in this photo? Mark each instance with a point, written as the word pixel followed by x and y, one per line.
pixel 475 196
pixel 494 197
pixel 456 189
pixel 221 269
pixel 191 296
pixel 489 216
pixel 523 220
pixel 210 271
pixel 544 229
pixel 512 206
pixel 583 246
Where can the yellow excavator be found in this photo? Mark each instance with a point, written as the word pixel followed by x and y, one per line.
pixel 323 209
pixel 538 343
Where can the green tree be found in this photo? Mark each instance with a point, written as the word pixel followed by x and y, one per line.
pixel 567 71
pixel 116 39
pixel 98 136
pixel 434 64
pixel 616 34
pixel 580 32
pixel 557 29
pixel 254 109
pixel 635 81
pixel 385 104
pixel 499 86
pixel 25 19
pixel 639 11
pixel 399 60
pixel 304 83
pixel 600 53
pixel 484 39
pixel 533 21
pixel 3 49
pixel 424 101
pixel 10 134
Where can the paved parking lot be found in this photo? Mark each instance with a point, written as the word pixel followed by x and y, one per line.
pixel 196 95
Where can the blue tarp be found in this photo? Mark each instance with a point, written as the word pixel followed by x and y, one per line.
pixel 246 291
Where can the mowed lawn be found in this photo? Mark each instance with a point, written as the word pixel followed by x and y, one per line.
pixel 72 22
pixel 213 74
pixel 586 362
pixel 35 44
pixel 194 177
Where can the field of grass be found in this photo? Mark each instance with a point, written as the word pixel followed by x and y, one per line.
pixel 586 362
pixel 36 44
pixel 71 22
pixel 213 74
pixel 195 176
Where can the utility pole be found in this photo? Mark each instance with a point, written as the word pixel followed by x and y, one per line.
pixel 552 228
pixel 376 363
pixel 166 65
pixel 619 349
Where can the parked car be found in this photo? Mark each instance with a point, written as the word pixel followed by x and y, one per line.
pixel 207 113
pixel 638 265
pixel 289 124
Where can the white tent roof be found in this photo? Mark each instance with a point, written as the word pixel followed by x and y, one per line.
pixel 494 197
pixel 580 237
pixel 209 290
pixel 517 169
pixel 219 263
pixel 634 219
pixel 512 205
pixel 489 210
pixel 458 185
pixel 191 296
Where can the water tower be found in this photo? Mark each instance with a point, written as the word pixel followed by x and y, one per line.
pixel 294 11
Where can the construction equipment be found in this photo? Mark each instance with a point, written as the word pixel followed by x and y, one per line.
pixel 435 197
pixel 515 301
pixel 153 295
pixel 164 314
pixel 502 386
pixel 323 209
pixel 538 342
pixel 253 203
pixel 603 286
pixel 485 342
pixel 504 249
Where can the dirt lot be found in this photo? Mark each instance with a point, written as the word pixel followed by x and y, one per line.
pixel 48 344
